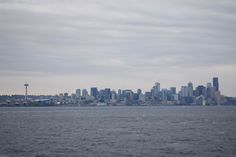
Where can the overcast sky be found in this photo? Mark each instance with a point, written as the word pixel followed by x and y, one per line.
pixel 60 45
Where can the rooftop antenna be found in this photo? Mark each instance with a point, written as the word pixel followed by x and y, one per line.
pixel 26 92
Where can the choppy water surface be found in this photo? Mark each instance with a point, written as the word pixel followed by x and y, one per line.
pixel 118 131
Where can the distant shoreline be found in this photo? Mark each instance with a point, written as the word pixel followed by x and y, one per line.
pixel 69 105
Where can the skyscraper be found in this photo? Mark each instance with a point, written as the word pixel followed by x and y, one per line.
pixel 210 91
pixel 184 91
pixel 94 92
pixel 107 94
pixel 156 89
pixel 173 90
pixel 164 94
pixel 216 83
pixel 78 93
pixel 84 93
pixel 190 89
pixel 139 91
pixel 200 90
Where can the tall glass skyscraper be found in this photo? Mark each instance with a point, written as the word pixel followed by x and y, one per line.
pixel 216 83
pixel 190 89
pixel 94 92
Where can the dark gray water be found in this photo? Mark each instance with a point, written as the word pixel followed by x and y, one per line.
pixel 118 131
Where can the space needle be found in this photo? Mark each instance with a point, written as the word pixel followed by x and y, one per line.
pixel 26 92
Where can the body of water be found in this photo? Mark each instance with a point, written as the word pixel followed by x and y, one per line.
pixel 118 131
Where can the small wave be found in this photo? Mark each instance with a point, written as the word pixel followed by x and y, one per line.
pixel 41 155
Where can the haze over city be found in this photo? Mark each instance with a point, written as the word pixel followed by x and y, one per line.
pixel 59 46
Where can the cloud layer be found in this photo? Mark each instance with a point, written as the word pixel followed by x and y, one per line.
pixel 61 45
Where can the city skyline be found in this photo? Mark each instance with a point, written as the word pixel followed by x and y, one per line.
pixel 88 88
pixel 95 89
pixel 208 94
pixel 57 46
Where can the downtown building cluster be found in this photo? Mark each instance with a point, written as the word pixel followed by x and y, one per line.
pixel 187 95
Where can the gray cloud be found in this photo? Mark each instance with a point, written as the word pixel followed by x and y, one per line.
pixel 118 40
